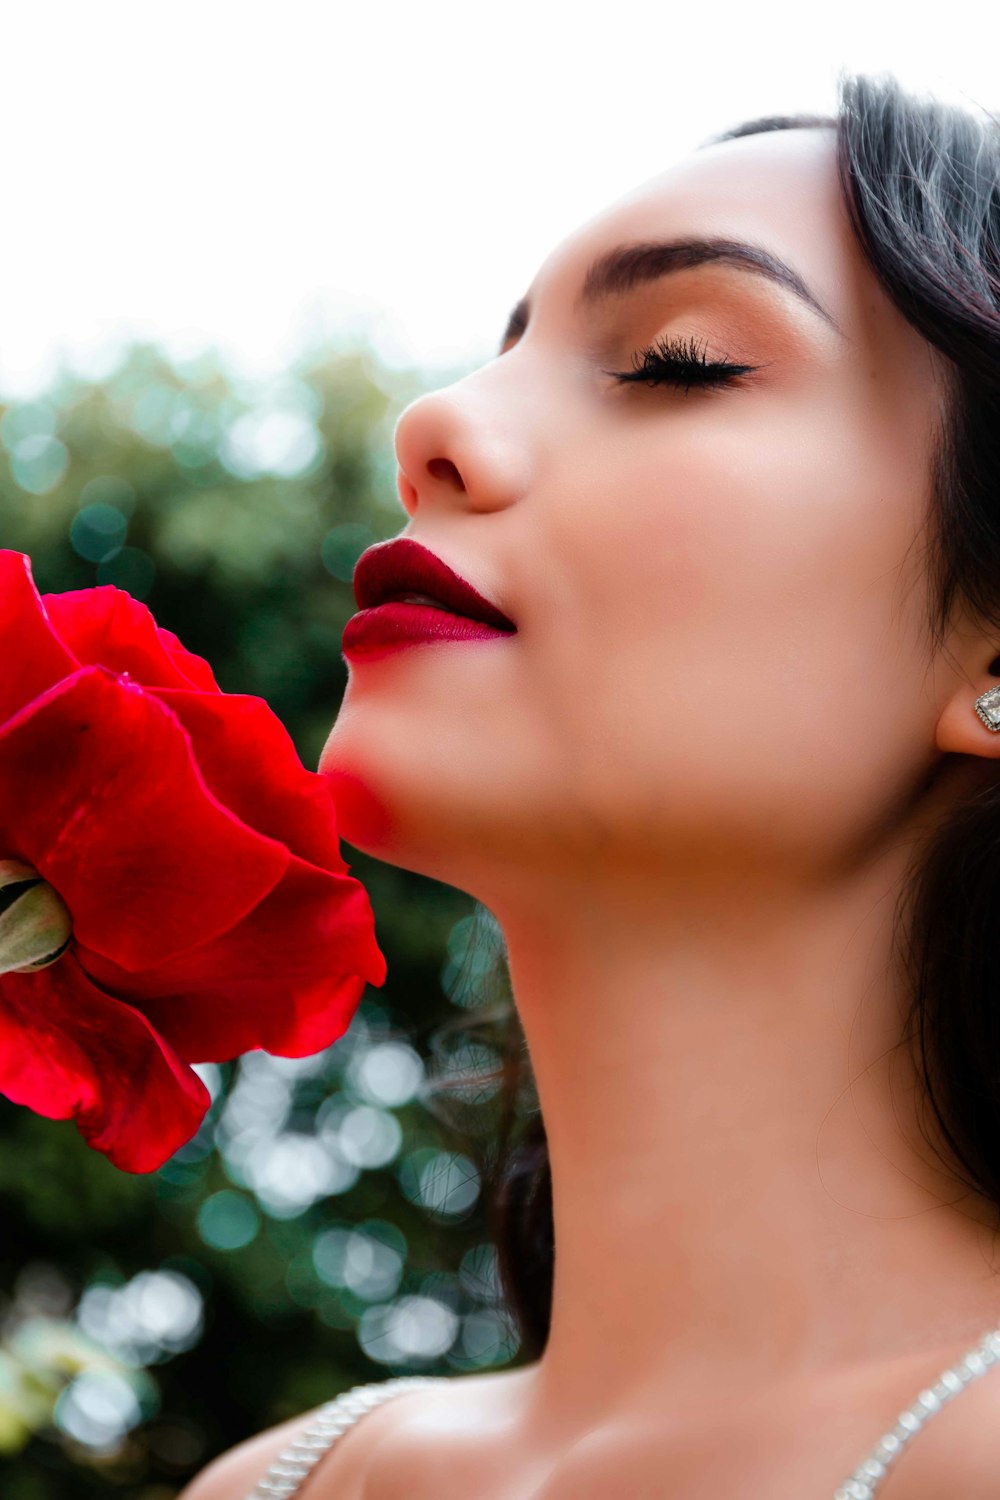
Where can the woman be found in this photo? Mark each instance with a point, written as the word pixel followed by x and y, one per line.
pixel 734 477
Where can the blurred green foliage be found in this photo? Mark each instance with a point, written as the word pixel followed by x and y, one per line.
pixel 325 1226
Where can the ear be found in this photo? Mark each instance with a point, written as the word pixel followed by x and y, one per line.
pixel 960 727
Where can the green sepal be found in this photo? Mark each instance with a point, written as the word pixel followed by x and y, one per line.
pixel 35 925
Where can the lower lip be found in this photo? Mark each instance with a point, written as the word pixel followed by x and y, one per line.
pixel 371 632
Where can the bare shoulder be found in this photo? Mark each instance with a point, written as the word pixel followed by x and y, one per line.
pixel 234 1474
pixel 402 1426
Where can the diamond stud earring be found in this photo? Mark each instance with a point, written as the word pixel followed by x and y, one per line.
pixel 988 708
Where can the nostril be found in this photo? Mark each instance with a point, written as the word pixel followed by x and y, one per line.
pixel 443 468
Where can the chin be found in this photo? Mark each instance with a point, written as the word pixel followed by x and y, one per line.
pixel 361 819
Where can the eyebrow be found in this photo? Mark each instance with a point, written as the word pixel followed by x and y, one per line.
pixel 620 270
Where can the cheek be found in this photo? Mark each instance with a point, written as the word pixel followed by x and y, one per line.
pixel 737 632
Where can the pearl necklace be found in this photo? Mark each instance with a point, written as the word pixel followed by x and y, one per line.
pixel 869 1475
pixel 292 1466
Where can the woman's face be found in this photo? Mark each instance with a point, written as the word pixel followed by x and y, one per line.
pixel 720 657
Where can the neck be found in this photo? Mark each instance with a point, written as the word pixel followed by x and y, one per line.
pixel 741 1189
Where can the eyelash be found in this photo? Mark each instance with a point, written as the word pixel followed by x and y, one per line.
pixel 673 361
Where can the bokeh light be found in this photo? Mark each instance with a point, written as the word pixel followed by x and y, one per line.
pixel 98 531
pixel 343 545
pixel 412 1329
pixel 38 463
pixel 368 1259
pixel 227 1220
pixel 389 1073
pixel 474 948
pixel 443 1182
pixel 152 1316
pixel 98 1408
pixel 280 439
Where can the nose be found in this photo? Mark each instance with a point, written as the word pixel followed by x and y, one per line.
pixel 456 450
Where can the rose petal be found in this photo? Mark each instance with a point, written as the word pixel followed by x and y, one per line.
pixel 106 627
pixel 196 668
pixel 288 979
pixel 100 792
pixel 68 1050
pixel 247 757
pixel 32 654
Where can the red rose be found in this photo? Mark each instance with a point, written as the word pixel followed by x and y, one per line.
pixel 197 858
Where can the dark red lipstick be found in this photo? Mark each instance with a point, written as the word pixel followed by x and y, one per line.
pixel 451 609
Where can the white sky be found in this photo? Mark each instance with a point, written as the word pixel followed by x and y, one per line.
pixel 253 175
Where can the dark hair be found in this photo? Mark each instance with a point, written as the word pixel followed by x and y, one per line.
pixel 921 183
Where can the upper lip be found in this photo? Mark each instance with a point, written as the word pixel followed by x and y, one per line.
pixel 404 566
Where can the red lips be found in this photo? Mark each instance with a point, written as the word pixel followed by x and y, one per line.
pixel 402 566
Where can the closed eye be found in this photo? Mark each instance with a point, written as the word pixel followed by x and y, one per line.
pixel 679 362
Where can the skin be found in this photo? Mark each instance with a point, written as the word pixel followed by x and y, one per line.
pixel 689 789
